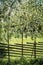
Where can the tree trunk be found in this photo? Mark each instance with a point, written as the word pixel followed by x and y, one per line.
pixel 35 49
pixel 22 43
pixel 8 47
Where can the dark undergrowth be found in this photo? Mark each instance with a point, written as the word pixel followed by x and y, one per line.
pixel 23 61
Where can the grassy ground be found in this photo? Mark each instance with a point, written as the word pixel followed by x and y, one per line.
pixel 19 40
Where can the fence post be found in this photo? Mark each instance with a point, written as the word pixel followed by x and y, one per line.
pixel 8 55
pixel 35 49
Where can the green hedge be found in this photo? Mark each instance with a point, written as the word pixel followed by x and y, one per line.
pixel 38 61
pixel 23 61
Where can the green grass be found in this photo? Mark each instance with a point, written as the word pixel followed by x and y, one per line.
pixel 19 40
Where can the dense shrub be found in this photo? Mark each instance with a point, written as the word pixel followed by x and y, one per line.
pixel 38 61
pixel 3 62
pixel 23 61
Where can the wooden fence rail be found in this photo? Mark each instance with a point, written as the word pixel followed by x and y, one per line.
pixel 16 50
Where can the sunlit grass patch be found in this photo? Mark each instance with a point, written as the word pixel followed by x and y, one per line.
pixel 25 40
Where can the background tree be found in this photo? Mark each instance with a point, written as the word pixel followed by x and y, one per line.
pixel 36 23
pixel 21 18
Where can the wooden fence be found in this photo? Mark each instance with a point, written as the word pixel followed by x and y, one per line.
pixel 16 50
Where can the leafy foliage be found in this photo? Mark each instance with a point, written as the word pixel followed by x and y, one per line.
pixel 23 61
pixel 26 18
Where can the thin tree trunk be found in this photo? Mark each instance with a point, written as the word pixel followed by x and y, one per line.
pixel 35 48
pixel 22 43
pixel 8 46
